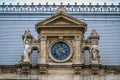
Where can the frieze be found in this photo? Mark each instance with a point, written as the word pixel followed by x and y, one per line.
pixel 61 34
pixel 22 69
pixel 7 69
pixel 112 70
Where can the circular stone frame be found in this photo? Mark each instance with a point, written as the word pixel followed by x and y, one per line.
pixel 56 60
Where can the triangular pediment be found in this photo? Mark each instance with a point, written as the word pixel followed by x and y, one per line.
pixel 59 20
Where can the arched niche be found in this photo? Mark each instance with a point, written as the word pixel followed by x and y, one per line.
pixel 86 55
pixel 34 55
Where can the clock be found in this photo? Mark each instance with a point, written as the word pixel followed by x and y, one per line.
pixel 60 51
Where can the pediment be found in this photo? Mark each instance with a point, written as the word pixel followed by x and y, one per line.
pixel 59 20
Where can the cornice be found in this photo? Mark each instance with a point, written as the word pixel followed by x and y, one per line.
pixel 107 69
pixel 86 66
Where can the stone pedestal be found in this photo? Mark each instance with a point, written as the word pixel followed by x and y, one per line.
pixel 42 68
pixel 25 68
pixel 95 68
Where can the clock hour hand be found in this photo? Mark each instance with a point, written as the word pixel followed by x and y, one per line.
pixel 62 51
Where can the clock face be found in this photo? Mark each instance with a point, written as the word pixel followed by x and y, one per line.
pixel 60 51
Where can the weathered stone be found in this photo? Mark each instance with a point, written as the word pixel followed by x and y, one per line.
pixel 61 28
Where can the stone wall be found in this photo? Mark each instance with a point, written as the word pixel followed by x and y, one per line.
pixel 105 73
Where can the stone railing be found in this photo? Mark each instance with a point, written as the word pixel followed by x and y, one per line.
pixel 52 8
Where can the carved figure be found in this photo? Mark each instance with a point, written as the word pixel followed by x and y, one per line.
pixel 27 48
pixel 26 51
pixel 94 52
pixel 21 60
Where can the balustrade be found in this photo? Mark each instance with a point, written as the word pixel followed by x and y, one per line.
pixel 52 8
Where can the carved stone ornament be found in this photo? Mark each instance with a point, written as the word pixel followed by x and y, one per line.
pixel 27 35
pixel 7 69
pixel 92 44
pixel 42 70
pixel 95 69
pixel 94 51
pixel 61 9
pixel 51 8
pixel 25 68
pixel 112 70
pixel 27 51
pixel 77 70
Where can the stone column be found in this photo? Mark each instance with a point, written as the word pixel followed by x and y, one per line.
pixel 77 50
pixel 42 57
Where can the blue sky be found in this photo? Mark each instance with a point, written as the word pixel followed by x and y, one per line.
pixel 59 1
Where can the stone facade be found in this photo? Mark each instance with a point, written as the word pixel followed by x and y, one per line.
pixel 61 28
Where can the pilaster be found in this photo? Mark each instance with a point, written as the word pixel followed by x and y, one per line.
pixel 42 55
pixel 77 50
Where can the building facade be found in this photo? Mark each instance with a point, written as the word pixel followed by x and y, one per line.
pixel 75 42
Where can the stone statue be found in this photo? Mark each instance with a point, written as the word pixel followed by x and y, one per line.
pixel 26 51
pixel 21 60
pixel 94 50
pixel 27 48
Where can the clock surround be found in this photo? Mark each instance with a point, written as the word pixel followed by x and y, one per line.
pixel 63 48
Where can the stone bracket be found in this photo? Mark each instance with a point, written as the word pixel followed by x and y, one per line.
pixel 42 68
pixel 77 68
pixel 25 68
pixel 95 69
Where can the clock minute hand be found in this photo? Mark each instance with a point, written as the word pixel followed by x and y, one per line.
pixel 62 51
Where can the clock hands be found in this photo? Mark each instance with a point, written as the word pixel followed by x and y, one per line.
pixel 61 50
